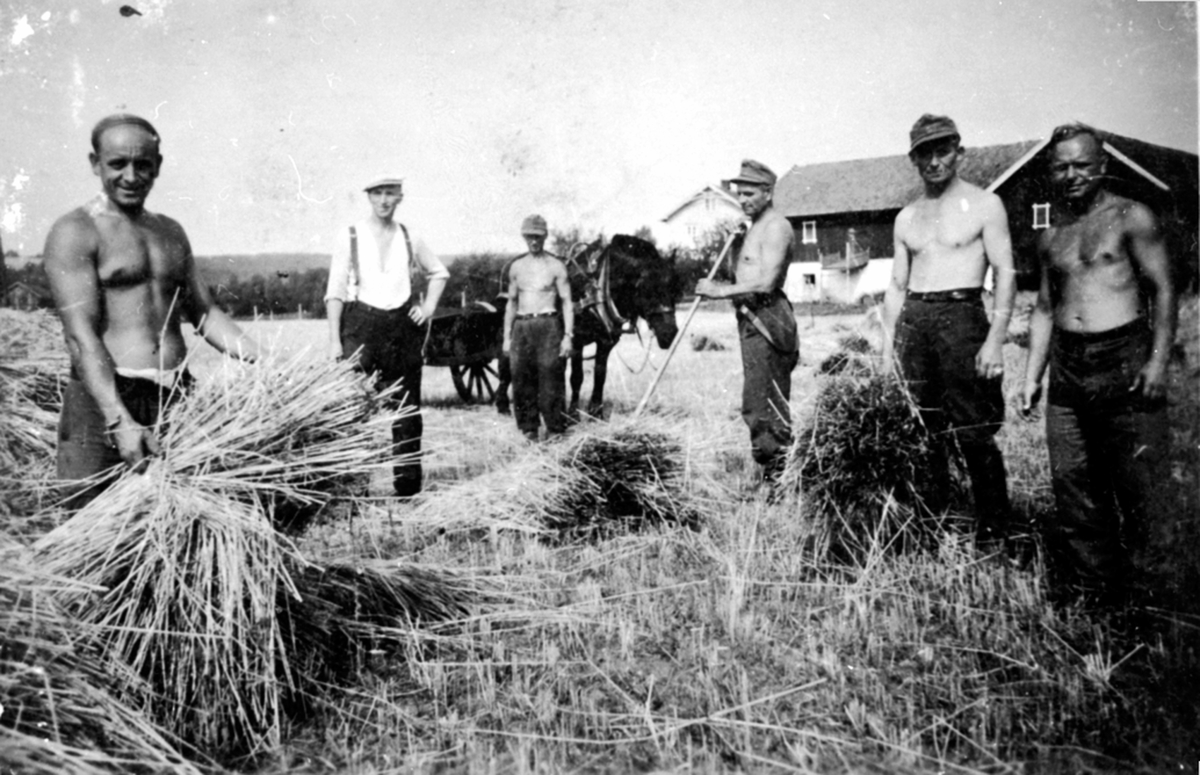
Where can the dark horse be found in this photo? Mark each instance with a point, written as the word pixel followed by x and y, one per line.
pixel 613 286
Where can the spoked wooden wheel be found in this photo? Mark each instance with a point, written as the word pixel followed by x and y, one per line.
pixel 475 382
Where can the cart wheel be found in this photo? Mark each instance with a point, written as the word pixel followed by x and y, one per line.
pixel 475 382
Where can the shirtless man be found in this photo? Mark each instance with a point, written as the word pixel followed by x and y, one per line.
pixel 947 352
pixel 539 323
pixel 1106 418
pixel 766 323
pixel 123 279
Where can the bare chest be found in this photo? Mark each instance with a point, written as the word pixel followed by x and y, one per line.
pixel 1091 243
pixel 132 254
pixel 943 226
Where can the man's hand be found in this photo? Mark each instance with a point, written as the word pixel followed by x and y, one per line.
pixel 134 443
pixel 419 313
pixel 989 362
pixel 335 349
pixel 506 346
pixel 1031 396
pixel 565 350
pixel 1151 381
pixel 707 288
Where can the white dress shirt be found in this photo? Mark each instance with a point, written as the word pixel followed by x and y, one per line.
pixel 382 281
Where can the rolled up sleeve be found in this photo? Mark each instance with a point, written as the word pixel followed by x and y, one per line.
pixel 429 262
pixel 339 269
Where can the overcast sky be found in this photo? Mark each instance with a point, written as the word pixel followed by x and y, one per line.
pixel 599 114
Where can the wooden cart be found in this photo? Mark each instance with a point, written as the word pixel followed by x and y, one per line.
pixel 468 340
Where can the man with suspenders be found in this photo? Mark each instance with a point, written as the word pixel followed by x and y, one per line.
pixel 376 319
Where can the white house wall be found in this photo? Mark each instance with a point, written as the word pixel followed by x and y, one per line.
pixel 834 285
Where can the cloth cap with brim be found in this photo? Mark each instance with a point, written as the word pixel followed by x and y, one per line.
pixel 393 180
pixel 929 128
pixel 754 172
pixel 534 225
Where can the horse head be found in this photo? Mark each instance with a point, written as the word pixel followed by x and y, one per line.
pixel 644 285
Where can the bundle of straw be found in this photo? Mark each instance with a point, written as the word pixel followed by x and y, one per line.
pixel 852 358
pixel 343 611
pixel 293 434
pixel 198 603
pixel 862 451
pixel 616 477
pixel 189 578
pixel 56 715
pixel 32 362
pixel 628 479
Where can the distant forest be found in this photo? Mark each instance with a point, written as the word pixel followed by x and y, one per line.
pixel 278 284
pixel 291 284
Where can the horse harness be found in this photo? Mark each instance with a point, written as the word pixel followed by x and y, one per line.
pixel 597 295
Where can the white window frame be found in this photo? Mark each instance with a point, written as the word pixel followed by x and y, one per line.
pixel 808 233
pixel 1041 215
pixel 810 280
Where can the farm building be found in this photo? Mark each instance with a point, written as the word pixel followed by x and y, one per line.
pixel 21 296
pixel 709 208
pixel 843 212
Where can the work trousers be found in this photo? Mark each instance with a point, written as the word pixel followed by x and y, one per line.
pixel 767 366
pixel 387 343
pixel 936 345
pixel 538 385
pixel 1109 460
pixel 87 460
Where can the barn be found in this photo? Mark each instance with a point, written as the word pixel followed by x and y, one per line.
pixel 843 212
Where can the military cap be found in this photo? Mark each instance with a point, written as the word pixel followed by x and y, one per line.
pixel 534 224
pixel 930 127
pixel 755 172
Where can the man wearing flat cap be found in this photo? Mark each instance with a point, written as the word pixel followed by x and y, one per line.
pixel 539 324
pixel 376 318
pixel 766 323
pixel 936 329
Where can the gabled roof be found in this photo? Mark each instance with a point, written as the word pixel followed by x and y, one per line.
pixel 708 192
pixel 883 183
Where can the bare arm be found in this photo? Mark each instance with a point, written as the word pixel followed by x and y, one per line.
pixel 893 297
pixel 997 245
pixel 70 264
pixel 510 310
pixel 336 291
pixel 1041 325
pixel 217 328
pixel 1148 250
pixel 568 310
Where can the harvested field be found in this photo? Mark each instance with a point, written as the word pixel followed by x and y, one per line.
pixel 727 638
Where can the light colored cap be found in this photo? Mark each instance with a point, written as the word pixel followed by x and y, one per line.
pixel 534 224
pixel 392 180
pixel 755 172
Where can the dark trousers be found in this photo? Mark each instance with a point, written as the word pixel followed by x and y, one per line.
pixel 538 386
pixel 87 459
pixel 388 343
pixel 767 381
pixel 1109 459
pixel 936 344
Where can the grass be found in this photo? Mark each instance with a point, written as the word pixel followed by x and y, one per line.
pixel 743 645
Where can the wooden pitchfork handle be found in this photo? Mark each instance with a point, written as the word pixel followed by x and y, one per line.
pixel 686 322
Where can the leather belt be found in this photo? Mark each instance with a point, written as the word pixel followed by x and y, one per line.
pixel 958 294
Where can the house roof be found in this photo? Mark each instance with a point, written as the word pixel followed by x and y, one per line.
pixel 883 183
pixel 708 192
pixel 889 182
